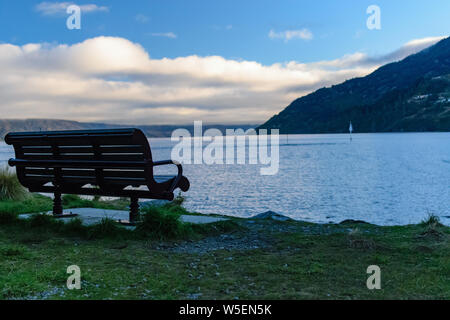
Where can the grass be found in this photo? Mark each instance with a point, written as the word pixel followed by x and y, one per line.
pixel 34 203
pixel 302 261
pixel 431 221
pixel 157 222
pixel 163 223
pixel 74 201
pixel 10 187
pixel 433 229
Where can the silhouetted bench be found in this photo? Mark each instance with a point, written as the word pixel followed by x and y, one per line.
pixel 92 162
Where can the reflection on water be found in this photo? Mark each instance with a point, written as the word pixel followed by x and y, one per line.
pixel 380 178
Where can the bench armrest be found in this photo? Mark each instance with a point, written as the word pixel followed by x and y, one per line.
pixel 179 167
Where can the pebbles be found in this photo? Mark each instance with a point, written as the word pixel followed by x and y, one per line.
pixel 223 242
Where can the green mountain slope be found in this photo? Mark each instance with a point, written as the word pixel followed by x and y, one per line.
pixel 409 95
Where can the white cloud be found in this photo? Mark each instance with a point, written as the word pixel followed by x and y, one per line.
pixel 170 35
pixel 59 8
pixel 227 27
pixel 287 35
pixel 115 80
pixel 141 18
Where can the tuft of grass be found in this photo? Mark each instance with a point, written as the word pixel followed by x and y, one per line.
pixel 163 223
pixel 44 221
pixel 432 228
pixel 431 221
pixel 10 187
pixel 107 228
pixel 178 201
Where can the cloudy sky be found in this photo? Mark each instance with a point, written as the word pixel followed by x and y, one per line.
pixel 169 62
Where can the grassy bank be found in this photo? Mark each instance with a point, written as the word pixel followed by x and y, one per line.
pixel 241 259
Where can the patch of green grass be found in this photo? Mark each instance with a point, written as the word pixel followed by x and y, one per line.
pixel 302 261
pixel 32 204
pixel 75 227
pixel 37 203
pixel 157 222
pixel 303 264
pixel 358 240
pixel 12 250
pixel 70 201
pixel 219 227
pixel 47 224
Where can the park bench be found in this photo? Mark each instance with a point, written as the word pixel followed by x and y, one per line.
pixel 114 162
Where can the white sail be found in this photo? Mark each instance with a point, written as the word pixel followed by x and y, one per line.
pixel 350 129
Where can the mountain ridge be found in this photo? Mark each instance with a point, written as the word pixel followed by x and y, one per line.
pixel 391 89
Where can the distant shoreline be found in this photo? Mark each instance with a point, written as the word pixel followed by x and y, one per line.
pixel 151 131
pixel 309 134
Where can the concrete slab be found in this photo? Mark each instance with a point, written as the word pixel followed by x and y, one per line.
pixel 91 216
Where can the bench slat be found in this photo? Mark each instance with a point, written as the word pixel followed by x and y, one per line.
pixel 85 149
pixel 122 149
pixel 89 180
pixel 81 164
pixel 71 141
pixel 88 173
pixel 92 157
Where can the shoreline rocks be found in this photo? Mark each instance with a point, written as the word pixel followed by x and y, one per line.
pixel 270 215
pixel 351 221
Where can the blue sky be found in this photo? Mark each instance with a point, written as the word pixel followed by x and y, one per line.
pixel 235 31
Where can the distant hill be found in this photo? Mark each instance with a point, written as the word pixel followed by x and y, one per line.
pixel 13 125
pixel 409 95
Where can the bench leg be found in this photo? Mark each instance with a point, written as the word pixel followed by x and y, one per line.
pixel 134 210
pixel 58 208
pixel 57 204
pixel 134 213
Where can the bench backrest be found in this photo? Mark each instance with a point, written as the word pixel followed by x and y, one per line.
pixel 107 158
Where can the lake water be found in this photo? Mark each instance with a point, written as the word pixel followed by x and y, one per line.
pixel 387 179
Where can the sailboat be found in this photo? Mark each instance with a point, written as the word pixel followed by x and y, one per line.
pixel 350 129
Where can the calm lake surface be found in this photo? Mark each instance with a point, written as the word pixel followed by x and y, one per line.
pixel 387 179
